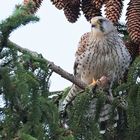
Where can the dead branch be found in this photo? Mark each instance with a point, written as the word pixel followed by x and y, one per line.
pixel 55 68
pixel 60 71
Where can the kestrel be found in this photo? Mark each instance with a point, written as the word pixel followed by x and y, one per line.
pixel 101 53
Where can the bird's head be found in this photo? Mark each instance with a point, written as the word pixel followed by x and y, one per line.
pixel 101 26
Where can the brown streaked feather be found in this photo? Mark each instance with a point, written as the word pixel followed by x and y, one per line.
pixel 100 53
pixel 82 47
pixel 83 43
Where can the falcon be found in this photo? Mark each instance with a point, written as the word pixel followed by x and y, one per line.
pixel 101 58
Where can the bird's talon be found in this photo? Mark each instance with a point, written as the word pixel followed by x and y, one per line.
pixel 103 81
pixel 94 82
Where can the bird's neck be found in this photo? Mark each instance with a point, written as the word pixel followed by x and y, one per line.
pixel 98 41
pixel 96 35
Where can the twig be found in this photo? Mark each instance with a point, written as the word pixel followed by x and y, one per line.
pixel 59 70
pixel 52 66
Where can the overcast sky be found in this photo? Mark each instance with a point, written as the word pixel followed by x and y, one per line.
pixel 53 36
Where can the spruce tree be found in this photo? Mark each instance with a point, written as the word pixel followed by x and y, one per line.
pixel 28 112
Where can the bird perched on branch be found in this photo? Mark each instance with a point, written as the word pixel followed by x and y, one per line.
pixel 101 56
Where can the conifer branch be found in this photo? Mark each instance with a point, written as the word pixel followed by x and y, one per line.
pixel 51 65
pixel 1 109
pixel 60 71
pixel 20 16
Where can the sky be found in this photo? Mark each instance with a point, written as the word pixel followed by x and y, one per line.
pixel 53 36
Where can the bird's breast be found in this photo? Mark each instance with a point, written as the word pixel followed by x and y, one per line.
pixel 106 56
pixel 98 62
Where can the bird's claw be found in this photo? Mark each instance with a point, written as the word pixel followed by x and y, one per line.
pixel 103 81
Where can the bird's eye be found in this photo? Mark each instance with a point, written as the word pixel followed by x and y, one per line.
pixel 93 25
pixel 101 20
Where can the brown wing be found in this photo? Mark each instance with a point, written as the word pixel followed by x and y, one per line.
pixel 82 46
pixel 83 43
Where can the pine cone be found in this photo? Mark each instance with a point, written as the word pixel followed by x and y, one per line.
pixel 59 4
pixel 72 10
pixel 133 20
pixel 113 10
pixel 90 10
pixel 132 48
pixel 36 5
pixel 98 3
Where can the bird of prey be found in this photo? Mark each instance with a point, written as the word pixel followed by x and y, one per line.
pixel 101 54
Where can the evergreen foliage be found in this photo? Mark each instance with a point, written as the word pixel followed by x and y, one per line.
pixel 127 94
pixel 19 17
pixel 29 114
pixel 83 126
pixel 133 112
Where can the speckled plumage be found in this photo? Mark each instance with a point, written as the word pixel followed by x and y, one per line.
pixel 101 52
pixel 108 57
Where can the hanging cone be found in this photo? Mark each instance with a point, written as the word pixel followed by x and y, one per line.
pixel 35 7
pixel 72 10
pixel 59 4
pixel 98 3
pixel 132 48
pixel 90 10
pixel 113 10
pixel 133 20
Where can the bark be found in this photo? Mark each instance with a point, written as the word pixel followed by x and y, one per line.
pixel 59 70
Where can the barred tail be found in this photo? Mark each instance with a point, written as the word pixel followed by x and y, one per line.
pixel 70 97
pixel 105 121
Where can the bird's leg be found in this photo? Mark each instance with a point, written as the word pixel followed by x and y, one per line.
pixel 94 82
pixel 102 82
